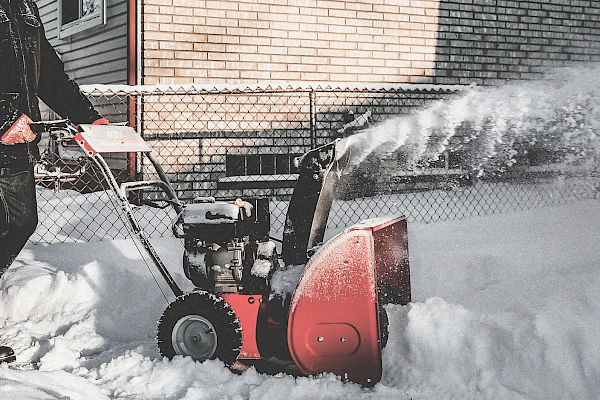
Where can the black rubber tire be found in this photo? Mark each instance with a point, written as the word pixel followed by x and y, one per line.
pixel 204 306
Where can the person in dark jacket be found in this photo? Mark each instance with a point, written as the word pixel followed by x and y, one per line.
pixel 29 69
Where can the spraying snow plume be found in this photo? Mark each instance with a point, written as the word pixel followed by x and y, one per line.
pixel 492 128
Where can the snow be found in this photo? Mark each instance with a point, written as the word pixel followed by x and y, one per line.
pixel 211 213
pixel 261 268
pixel 285 279
pixel 265 249
pixel 493 128
pixel 504 307
pixel 189 89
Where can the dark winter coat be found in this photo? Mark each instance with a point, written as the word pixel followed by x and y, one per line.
pixel 30 68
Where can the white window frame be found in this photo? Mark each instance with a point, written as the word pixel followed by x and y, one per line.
pixel 81 24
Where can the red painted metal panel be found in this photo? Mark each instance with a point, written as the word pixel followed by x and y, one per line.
pixel 246 308
pixel 333 324
pixel 334 314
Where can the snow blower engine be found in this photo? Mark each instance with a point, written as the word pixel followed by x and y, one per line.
pixel 333 320
pixel 227 245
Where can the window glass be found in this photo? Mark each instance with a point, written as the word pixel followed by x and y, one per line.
pixel 264 164
pixel 267 166
pixel 89 7
pixel 282 164
pixel 234 165
pixel 70 11
pixel 76 16
pixel 252 165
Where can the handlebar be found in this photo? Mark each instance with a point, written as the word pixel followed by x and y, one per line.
pixel 47 126
pixel 61 129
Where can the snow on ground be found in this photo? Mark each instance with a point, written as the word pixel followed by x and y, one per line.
pixel 504 307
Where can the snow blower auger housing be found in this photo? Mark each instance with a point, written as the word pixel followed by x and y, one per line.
pixel 334 321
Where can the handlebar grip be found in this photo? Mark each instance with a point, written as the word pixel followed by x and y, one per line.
pixel 47 126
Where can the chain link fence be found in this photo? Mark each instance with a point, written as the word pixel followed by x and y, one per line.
pixel 230 142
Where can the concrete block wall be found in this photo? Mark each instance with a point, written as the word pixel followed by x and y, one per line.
pixel 368 41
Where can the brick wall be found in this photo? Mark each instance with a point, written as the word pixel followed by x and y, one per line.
pixel 368 41
pixel 387 41
pixel 489 41
pixel 288 40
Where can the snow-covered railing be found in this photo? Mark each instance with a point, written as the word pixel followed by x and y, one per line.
pixel 266 87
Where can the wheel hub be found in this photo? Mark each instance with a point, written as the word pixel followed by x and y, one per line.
pixel 194 336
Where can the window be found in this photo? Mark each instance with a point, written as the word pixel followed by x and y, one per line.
pixel 263 164
pixel 75 16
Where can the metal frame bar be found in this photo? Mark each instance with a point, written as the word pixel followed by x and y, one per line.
pixel 135 225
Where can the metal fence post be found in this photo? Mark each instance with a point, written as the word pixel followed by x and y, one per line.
pixel 312 96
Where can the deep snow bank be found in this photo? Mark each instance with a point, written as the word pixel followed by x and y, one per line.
pixel 505 307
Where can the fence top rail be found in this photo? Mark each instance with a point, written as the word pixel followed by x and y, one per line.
pixel 266 87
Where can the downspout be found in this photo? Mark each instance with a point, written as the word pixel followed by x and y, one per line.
pixel 132 49
pixel 133 74
pixel 139 40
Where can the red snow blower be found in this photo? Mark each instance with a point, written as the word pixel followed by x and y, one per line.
pixel 334 320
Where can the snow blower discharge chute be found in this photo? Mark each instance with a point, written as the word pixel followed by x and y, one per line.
pixel 334 321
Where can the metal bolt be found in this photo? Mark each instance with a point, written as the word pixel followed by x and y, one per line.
pixel 320 338
pixel 343 339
